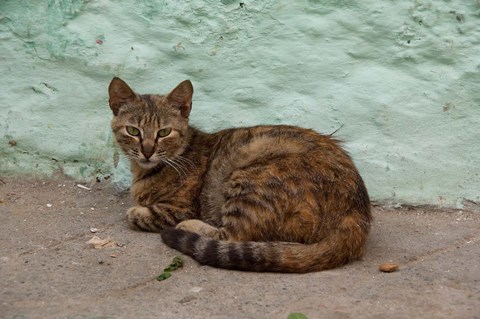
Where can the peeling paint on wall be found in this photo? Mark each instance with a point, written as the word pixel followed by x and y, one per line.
pixel 400 78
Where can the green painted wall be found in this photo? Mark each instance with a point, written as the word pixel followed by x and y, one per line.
pixel 402 77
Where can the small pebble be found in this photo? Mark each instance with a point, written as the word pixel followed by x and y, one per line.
pixel 388 267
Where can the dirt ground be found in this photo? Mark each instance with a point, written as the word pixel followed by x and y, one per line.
pixel 48 270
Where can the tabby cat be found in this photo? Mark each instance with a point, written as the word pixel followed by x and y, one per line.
pixel 264 198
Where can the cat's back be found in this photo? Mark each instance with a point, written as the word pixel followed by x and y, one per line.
pixel 298 163
pixel 266 143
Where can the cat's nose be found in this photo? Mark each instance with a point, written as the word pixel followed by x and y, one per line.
pixel 148 150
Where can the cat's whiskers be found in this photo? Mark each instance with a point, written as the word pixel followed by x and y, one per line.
pixel 180 167
pixel 173 165
pixel 181 164
pixel 185 165
pixel 185 161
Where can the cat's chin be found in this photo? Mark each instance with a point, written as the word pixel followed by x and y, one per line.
pixel 147 165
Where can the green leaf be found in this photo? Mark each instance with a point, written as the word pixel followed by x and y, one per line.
pixel 167 272
pixel 164 275
pixel 176 263
pixel 296 315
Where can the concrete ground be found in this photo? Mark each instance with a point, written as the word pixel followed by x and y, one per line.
pixel 48 270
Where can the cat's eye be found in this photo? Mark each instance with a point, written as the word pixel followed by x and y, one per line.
pixel 133 131
pixel 164 132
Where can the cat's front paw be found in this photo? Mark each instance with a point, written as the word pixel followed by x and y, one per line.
pixel 142 218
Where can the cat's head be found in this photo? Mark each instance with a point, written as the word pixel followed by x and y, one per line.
pixel 149 128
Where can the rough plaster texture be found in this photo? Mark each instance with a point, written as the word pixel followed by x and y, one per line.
pixel 402 79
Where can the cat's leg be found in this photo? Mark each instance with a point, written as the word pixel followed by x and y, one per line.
pixel 143 218
pixel 156 217
pixel 238 228
pixel 201 228
pixel 243 225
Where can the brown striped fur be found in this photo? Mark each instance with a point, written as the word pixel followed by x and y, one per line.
pixel 263 198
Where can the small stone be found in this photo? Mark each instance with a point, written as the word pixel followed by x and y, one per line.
pixel 388 267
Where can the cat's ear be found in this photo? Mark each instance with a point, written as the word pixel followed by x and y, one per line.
pixel 181 98
pixel 119 93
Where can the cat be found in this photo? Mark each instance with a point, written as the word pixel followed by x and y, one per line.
pixel 263 198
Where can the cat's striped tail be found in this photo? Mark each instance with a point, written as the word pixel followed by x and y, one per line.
pixel 338 249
